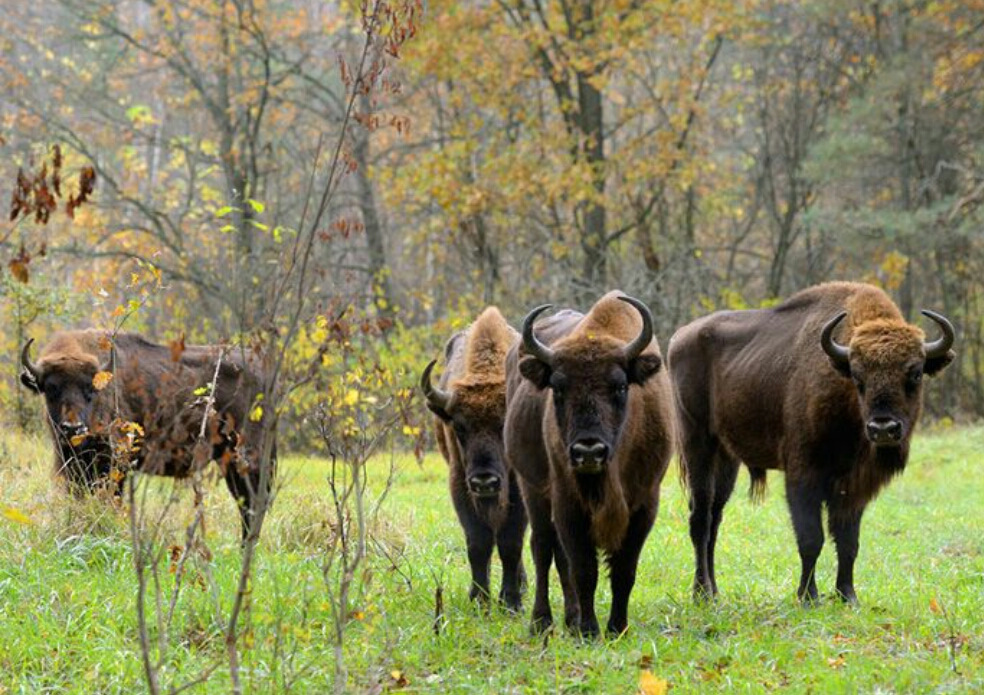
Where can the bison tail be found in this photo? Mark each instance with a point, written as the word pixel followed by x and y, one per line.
pixel 756 491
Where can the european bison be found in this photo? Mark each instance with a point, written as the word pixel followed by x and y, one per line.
pixel 470 405
pixel 589 431
pixel 826 386
pixel 164 394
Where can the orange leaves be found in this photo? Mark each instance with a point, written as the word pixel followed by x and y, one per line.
pixel 649 684
pixel 101 380
pixel 177 348
pixel 36 194
pixel 87 182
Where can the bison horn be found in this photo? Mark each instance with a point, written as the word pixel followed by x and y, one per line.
pixel 835 351
pixel 532 345
pixel 435 397
pixel 641 342
pixel 940 346
pixel 28 365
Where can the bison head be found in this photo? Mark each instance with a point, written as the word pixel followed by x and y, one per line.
pixel 66 381
pixel 886 359
pixel 589 378
pixel 475 412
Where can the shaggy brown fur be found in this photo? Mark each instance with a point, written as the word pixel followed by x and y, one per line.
pixel 589 433
pixel 156 392
pixel 757 387
pixel 470 405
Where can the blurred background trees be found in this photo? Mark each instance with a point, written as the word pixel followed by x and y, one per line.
pixel 699 154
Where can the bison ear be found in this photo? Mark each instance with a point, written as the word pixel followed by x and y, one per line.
pixel 935 365
pixel 535 370
pixel 643 367
pixel 28 380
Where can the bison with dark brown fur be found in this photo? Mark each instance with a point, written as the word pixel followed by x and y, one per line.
pixel 160 391
pixel 589 431
pixel 470 405
pixel 826 386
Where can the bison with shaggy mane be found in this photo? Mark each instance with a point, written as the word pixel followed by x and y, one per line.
pixel 470 405
pixel 589 431
pixel 827 387
pixel 154 406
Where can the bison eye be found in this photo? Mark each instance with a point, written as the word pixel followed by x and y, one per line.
pixel 912 381
pixel 621 391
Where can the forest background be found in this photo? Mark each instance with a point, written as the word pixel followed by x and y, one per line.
pixel 699 154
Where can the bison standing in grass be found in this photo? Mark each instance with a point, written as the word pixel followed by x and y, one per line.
pixel 826 386
pixel 589 431
pixel 470 405
pixel 149 416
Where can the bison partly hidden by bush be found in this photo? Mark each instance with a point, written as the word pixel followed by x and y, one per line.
pixel 145 410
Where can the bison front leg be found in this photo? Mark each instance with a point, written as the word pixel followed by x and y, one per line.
pixel 622 565
pixel 574 530
pixel 543 542
pixel 805 502
pixel 509 540
pixel 479 540
pixel 845 527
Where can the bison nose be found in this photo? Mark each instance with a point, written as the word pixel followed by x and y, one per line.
pixel 884 430
pixel 484 484
pixel 73 429
pixel 589 455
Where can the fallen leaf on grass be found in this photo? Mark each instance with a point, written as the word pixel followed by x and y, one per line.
pixel 837 663
pixel 16 515
pixel 652 685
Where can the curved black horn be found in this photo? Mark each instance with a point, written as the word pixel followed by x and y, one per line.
pixel 434 396
pixel 941 345
pixel 641 342
pixel 28 365
pixel 532 345
pixel 837 352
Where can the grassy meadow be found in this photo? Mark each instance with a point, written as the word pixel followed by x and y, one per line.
pixel 68 622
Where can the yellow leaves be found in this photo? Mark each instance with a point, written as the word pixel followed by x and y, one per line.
pixel 16 516
pixel 101 380
pixel 351 397
pixel 838 662
pixel 935 606
pixel 256 414
pixel 78 439
pixel 650 684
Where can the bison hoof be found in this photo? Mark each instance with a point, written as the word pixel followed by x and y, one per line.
pixel 704 594
pixel 588 629
pixel 541 624
pixel 847 595
pixel 616 629
pixel 512 601
pixel 809 599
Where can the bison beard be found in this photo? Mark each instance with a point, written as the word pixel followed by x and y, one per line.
pixel 470 405
pixel 156 391
pixel 827 387
pixel 588 430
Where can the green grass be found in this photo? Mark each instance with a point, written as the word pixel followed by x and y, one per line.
pixel 67 594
